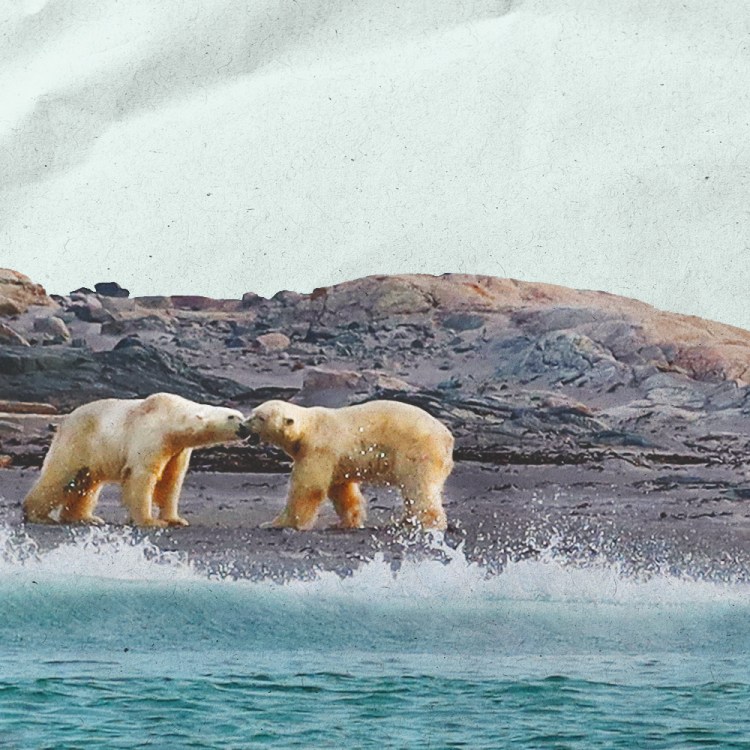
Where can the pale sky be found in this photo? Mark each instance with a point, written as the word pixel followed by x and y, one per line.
pixel 208 148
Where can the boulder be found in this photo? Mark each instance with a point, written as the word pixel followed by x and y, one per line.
pixel 8 307
pixel 287 298
pixel 90 310
pixel 272 342
pixel 52 326
pixel 18 292
pixel 321 387
pixel 10 337
pixel 324 387
pixel 111 289
pixel 117 305
pixel 251 299
pixel 26 407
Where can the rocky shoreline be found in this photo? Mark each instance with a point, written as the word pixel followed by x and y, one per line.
pixel 644 522
pixel 596 418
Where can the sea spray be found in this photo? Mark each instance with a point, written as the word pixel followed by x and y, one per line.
pixel 438 571
pixel 91 552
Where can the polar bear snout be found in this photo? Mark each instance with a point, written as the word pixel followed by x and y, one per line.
pixel 243 431
pixel 250 428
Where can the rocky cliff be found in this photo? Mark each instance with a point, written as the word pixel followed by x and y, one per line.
pixel 521 372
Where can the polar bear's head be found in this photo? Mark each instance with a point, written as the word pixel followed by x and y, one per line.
pixel 187 423
pixel 277 422
pixel 211 425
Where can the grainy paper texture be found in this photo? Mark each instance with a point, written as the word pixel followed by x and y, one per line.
pixel 220 147
pixel 540 495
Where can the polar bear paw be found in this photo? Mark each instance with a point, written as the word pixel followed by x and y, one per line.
pixel 153 523
pixel 176 521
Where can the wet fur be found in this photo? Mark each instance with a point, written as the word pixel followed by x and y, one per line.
pixel 142 444
pixel 336 450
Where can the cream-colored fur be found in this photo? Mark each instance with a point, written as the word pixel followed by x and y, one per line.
pixel 335 450
pixel 142 444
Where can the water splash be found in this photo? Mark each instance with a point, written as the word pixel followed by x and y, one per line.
pixel 444 575
pixel 91 552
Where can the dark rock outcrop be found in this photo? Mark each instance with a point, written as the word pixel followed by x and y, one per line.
pixel 110 289
pixel 67 376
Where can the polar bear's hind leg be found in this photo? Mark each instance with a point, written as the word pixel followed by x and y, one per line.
pixel 349 504
pixel 81 496
pixel 51 491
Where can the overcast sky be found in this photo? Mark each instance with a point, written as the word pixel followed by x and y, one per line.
pixel 223 146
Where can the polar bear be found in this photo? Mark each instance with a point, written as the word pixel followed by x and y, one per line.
pixel 334 450
pixel 143 444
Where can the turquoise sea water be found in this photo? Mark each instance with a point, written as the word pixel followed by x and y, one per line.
pixel 105 642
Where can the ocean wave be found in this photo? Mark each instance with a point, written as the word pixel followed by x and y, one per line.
pixel 109 595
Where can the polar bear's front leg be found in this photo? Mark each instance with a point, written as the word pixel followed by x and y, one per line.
pixel 301 509
pixel 137 495
pixel 423 505
pixel 308 487
pixel 168 489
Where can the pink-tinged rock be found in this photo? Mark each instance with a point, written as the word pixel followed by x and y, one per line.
pixel 18 292
pixel 8 307
pixel 322 387
pixel 154 302
pixel 386 382
pixel 26 407
pixel 317 378
pixel 272 342
pixel 90 311
pixel 9 337
pixel 52 326
pixel 197 303
pixel 631 330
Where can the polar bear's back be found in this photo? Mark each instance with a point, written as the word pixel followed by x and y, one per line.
pixel 382 442
pixel 393 423
pixel 94 430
